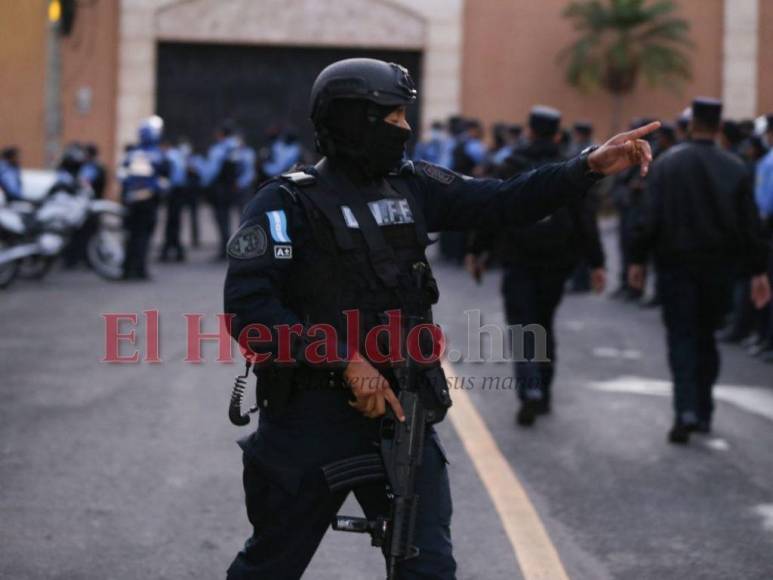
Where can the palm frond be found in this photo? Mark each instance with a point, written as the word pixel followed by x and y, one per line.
pixel 620 39
pixel 661 63
pixel 674 30
pixel 659 9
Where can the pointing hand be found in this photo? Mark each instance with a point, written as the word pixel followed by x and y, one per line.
pixel 624 151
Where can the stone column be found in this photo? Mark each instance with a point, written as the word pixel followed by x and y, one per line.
pixel 739 70
pixel 136 92
pixel 442 62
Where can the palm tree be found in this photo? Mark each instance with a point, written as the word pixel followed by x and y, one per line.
pixel 620 40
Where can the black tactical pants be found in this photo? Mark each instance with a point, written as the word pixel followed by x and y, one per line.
pixel 626 217
pixel 140 221
pixel 532 296
pixel 191 200
pixel 172 244
pixel 222 204
pixel 694 305
pixel 76 249
pixel 290 507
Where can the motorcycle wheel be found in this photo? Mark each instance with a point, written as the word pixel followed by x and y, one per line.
pixel 36 267
pixel 105 252
pixel 8 271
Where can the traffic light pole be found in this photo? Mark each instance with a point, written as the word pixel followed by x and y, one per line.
pixel 53 115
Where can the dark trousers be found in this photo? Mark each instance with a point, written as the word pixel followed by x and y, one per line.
pixel 452 246
pixel 191 201
pixel 222 202
pixel 624 235
pixel 532 295
pixel 174 206
pixel 290 507
pixel 139 223
pixel 742 318
pixel 76 249
pixel 694 305
pixel 580 281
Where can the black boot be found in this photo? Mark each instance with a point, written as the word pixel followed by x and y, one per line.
pixel 543 407
pixel 679 434
pixel 527 414
pixel 702 427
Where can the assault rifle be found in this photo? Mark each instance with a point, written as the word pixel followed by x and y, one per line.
pixel 402 447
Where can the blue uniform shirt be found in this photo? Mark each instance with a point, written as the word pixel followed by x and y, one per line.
pixel 10 180
pixel 763 193
pixel 437 149
pixel 178 167
pixel 246 160
pixel 144 173
pixel 217 155
pixel 88 172
pixel 283 156
pixel 475 150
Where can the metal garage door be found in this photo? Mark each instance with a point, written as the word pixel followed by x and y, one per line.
pixel 199 85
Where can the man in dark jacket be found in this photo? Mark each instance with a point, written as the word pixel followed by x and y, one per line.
pixel 538 261
pixel 348 235
pixel 700 224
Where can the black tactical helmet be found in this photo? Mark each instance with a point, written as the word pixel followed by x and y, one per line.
pixel 383 83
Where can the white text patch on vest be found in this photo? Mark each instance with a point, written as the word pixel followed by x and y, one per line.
pixel 386 212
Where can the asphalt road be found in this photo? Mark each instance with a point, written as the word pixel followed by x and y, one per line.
pixel 131 471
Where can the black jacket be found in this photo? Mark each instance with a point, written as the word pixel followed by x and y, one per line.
pixel 256 286
pixel 559 240
pixel 699 211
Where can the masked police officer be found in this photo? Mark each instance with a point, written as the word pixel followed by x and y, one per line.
pixel 346 235
pixel 702 228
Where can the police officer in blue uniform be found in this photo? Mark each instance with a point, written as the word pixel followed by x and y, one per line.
pixel 220 176
pixel 177 157
pixel 346 235
pixel 93 170
pixel 144 180
pixel 701 226
pixel 10 173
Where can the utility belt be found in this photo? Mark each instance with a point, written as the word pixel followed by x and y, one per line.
pixel 276 384
pixel 307 378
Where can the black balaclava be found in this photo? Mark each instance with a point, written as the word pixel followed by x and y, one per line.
pixel 357 139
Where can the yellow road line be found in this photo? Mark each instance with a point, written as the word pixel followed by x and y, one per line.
pixel 537 556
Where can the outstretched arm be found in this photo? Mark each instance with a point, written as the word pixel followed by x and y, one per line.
pixel 455 202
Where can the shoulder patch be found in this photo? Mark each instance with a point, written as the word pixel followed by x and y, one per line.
pixel 441 174
pixel 249 242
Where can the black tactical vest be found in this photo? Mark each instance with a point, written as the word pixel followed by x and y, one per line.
pixel 366 243
pixel 367 240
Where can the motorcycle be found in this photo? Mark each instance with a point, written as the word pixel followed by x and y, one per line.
pixel 33 235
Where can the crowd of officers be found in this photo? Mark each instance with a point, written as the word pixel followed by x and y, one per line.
pixel 564 252
pixel 157 171
pixel 540 262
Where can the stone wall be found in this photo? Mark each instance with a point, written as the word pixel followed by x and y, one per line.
pixel 511 62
